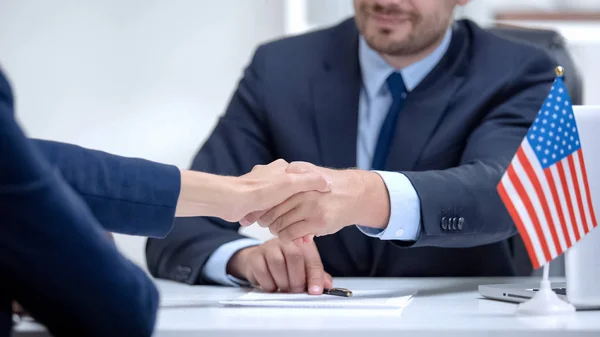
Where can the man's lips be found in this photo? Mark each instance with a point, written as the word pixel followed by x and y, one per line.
pixel 387 19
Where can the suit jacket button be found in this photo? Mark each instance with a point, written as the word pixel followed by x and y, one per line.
pixel 444 223
pixel 461 221
pixel 454 222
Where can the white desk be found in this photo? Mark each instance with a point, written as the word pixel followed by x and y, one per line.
pixel 443 307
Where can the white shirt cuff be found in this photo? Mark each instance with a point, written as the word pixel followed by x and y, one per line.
pixel 405 210
pixel 216 266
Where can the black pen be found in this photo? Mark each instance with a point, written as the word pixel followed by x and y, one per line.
pixel 338 292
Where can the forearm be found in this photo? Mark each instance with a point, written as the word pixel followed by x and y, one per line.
pixel 204 194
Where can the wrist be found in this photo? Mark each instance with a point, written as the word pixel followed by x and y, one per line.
pixel 204 194
pixel 235 266
pixel 373 202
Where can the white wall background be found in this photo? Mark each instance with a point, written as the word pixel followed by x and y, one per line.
pixel 148 78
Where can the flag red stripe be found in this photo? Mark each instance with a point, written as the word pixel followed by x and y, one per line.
pixel 587 188
pixel 540 194
pixel 586 227
pixel 563 181
pixel 514 178
pixel 561 215
pixel 519 223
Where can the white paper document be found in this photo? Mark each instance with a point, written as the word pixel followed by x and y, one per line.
pixel 361 299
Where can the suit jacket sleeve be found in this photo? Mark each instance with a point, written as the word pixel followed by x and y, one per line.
pixel 468 192
pixel 127 195
pixel 238 142
pixel 55 259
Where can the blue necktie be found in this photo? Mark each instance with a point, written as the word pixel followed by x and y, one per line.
pixel 384 142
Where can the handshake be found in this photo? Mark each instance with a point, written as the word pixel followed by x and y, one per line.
pixel 299 203
pixel 296 201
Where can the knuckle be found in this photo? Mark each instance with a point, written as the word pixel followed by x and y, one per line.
pixel 286 179
pixel 268 287
pixel 253 254
pixel 272 231
pixel 262 223
pixel 276 225
pixel 285 237
pixel 319 216
pixel 266 219
pixel 257 257
pixel 294 256
pixel 274 259
pixel 260 273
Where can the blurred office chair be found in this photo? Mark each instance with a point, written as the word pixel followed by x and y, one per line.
pixel 555 45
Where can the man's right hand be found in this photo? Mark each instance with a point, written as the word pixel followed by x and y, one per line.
pixel 276 266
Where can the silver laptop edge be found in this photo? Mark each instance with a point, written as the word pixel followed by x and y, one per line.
pixel 518 292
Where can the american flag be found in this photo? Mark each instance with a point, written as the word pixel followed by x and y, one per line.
pixel 545 188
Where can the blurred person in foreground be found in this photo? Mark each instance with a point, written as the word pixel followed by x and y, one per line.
pixel 412 115
pixel 56 202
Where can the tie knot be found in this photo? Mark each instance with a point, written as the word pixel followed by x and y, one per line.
pixel 396 86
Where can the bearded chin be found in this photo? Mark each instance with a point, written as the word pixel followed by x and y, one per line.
pixel 413 44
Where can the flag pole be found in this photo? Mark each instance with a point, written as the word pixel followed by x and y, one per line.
pixel 546 301
pixel 546 277
pixel 545 283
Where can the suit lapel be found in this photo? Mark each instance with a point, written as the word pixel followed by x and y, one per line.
pixel 426 105
pixel 336 90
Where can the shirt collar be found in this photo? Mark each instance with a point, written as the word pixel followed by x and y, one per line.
pixel 375 70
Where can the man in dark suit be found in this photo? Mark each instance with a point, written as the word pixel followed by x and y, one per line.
pixel 57 200
pixel 429 110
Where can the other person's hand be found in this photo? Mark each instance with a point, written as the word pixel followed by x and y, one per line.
pixel 276 266
pixel 357 198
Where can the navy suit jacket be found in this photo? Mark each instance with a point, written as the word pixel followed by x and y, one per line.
pixel 458 130
pixel 56 202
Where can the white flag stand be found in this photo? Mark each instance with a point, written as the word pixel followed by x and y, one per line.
pixel 545 301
